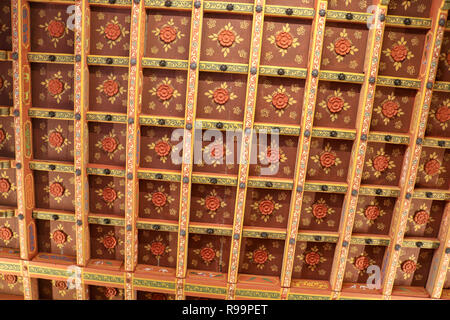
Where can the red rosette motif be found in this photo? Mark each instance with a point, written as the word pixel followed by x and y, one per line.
pixel 372 212
pixel 162 148
pixel 168 34
pixel 273 155
pixel 110 88
pixel 432 167
pixel 55 86
pixel 283 40
pixel 312 258
pixel 362 263
pixel 409 266
pixel 55 139
pixel 221 96
pixel 61 285
pixel 212 203
pixel 421 217
pixel 159 199
pixel 110 292
pixel 443 114
pixel 342 46
pixel 327 159
pixel 335 104
pixel 319 210
pixel 399 53
pixel 164 92
pixel 226 38
pixel 260 256
pixel 280 101
pixel 266 207
pixel 109 242
pixel 207 254
pixel 109 144
pixel 112 31
pixel 5 233
pixel 59 237
pixel 10 278
pixel 5 185
pixel 56 28
pixel 56 189
pixel 157 248
pixel 2 133
pixel 390 109
pixel 380 163
pixel 109 194
pixel 217 151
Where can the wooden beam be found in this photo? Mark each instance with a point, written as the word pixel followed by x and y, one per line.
pixel 365 105
pixel 81 134
pixel 246 144
pixel 412 154
pixel 137 36
pixel 304 142
pixel 188 142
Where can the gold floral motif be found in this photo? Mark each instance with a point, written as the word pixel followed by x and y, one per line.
pixel 220 96
pixel 280 99
pixel 399 53
pixel 56 86
pixel 56 140
pixel 272 155
pixel 334 104
pixel 342 46
pixel 159 198
pixel 389 109
pixel 163 148
pixel 421 217
pixel 122 32
pixel 109 189
pixel 226 38
pixel 212 203
pixel 284 40
pixel 58 196
pixel 6 186
pixel 441 114
pixel 327 159
pixel 431 167
pixel 312 258
pixel 266 207
pixel 165 92
pixel 12 234
pixel 208 253
pixel 53 29
pixel 111 88
pixel 158 248
pixel 168 34
pixel 380 163
pixel 409 266
pixel 215 153
pixel 117 241
pixel 112 147
pixel 320 210
pixel 371 212
pixel 361 262
pixel 260 256
pixel 60 243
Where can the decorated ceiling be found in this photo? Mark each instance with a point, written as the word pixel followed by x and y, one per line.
pixel 277 149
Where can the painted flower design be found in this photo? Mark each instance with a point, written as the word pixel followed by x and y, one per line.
pixel 6 186
pixel 421 217
pixel 7 234
pixel 165 91
pixel 389 109
pixel 226 38
pixel 327 159
pixel 168 34
pixel 313 258
pixel 159 198
pixel 113 31
pixel 260 256
pixel 320 210
pixel 110 241
pixel 61 286
pixel 110 292
pixel 362 262
pixel 57 190
pixel 280 99
pixel 110 144
pixel 445 57
pixel 371 212
pixel 4 137
pixel 409 266
pixel 55 86
pixel 431 167
pixel 380 163
pixel 398 53
pixel 11 279
pixel 4 83
pixel 284 40
pixel 334 104
pixel 162 147
pixel 220 96
pixel 111 88
pixel 59 237
pixel 272 155
pixel 158 248
pixel 109 194
pixel 442 114
pixel 212 203
pixel 266 207
pixel 55 28
pixel 342 46
pixel 215 153
pixel 208 253
pixel 56 139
